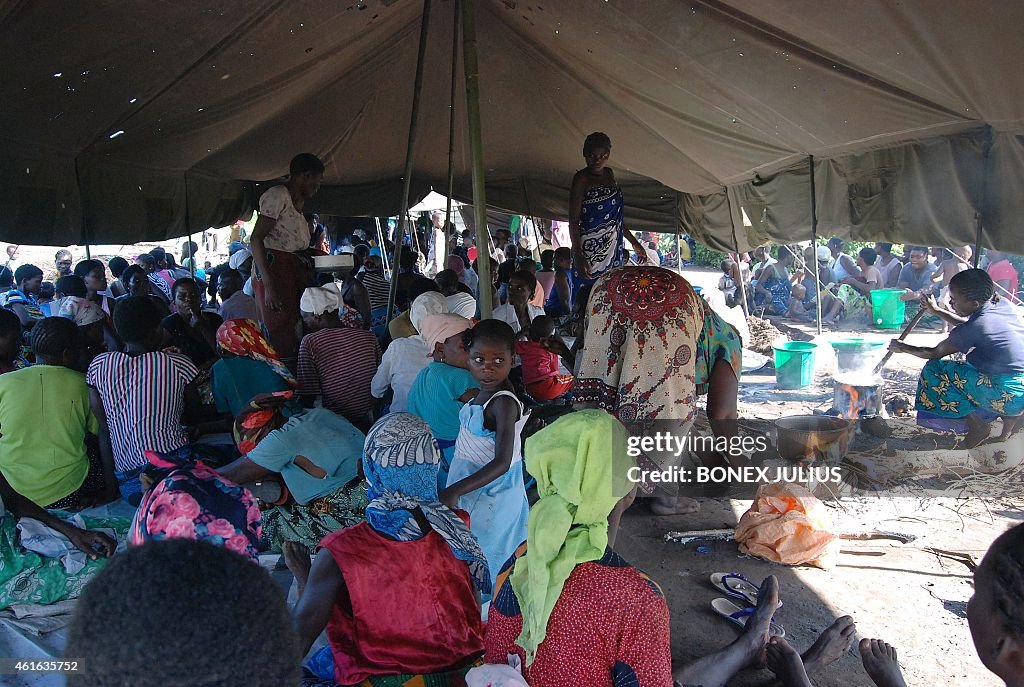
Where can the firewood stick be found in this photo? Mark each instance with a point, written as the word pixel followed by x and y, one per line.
pixel 727 535
pixel 906 330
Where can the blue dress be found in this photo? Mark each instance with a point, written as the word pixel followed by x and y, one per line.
pixel 601 233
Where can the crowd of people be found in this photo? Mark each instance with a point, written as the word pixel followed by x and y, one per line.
pixel 784 285
pixel 446 488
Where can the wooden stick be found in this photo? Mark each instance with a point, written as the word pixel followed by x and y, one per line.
pixel 906 330
pixel 727 535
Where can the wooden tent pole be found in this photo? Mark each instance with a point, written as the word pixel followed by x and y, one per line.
pixel 472 76
pixel 976 258
pixel 449 226
pixel 814 243
pixel 679 254
pixel 736 244
pixel 409 149
pixel 81 199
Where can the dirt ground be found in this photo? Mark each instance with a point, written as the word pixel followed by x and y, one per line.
pixel 910 597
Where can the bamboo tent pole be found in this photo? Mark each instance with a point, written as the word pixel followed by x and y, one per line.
pixel 472 75
pixel 409 149
pixel 976 258
pixel 736 243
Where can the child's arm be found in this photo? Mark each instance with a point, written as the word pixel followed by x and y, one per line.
pixel 502 414
pixel 111 492
pixel 556 345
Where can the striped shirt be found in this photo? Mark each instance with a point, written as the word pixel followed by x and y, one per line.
pixel 377 288
pixel 338 365
pixel 143 399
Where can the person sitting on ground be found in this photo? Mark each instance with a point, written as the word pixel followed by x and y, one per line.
pixel 187 499
pixel 459 301
pixel 117 266
pixel 63 262
pixel 407 529
pixel 888 265
pixel 405 357
pixel 1003 274
pixel 916 280
pixel 773 288
pixel 191 330
pixel 158 287
pixel 138 396
pixel 73 304
pixel 402 326
pixel 842 265
pixel 336 334
pixel 94 274
pixel 11 352
pixel 26 577
pixel 23 300
pixel 378 288
pixel 760 259
pixel 853 297
pixel 47 292
pixel 546 274
pixel 248 366
pixel 559 302
pixel 234 303
pixel 302 463
pixel 726 283
pixel 236 612
pixel 138 284
pixel 445 385
pixel 539 296
pixel 539 355
pixel 991 381
pixel 465 274
pixel 518 313
pixel 954 261
pixel 53 468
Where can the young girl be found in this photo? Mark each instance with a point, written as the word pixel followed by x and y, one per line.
pixel 486 476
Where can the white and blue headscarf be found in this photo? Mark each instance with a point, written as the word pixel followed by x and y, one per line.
pixel 400 461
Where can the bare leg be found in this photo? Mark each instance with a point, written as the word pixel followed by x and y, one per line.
pixel 784 661
pixel 296 557
pixel 880 662
pixel 978 432
pixel 830 645
pixel 1011 425
pixel 747 651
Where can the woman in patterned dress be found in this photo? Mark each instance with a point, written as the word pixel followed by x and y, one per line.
pixel 651 346
pixel 595 216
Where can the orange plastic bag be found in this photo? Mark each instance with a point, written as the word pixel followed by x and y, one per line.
pixel 788 524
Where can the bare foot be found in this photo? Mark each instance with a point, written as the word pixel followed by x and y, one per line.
pixel 978 432
pixel 755 635
pixel 880 662
pixel 1011 425
pixel 296 557
pixel 830 644
pixel 784 661
pixel 674 505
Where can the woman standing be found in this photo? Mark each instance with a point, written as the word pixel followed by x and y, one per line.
pixel 991 382
pixel 596 216
pixel 279 241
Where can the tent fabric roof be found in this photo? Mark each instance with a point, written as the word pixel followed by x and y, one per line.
pixel 132 120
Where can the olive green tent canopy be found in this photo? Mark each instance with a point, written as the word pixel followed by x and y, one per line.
pixel 127 120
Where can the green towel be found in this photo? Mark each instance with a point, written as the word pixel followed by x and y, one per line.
pixel 580 464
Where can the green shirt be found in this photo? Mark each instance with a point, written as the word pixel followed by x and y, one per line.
pixel 44 416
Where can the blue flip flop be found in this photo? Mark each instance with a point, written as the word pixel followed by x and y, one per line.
pixel 739 616
pixel 737 586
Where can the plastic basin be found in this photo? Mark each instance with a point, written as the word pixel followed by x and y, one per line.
pixel 794 364
pixel 887 309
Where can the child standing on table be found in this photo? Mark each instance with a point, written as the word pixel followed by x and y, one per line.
pixel 486 475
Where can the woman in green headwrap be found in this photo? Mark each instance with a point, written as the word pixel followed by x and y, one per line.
pixel 567 604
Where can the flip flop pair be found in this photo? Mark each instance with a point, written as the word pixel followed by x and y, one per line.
pixel 739 616
pixel 739 587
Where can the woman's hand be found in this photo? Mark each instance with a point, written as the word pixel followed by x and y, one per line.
pixel 270 297
pixel 928 302
pixel 897 346
pixel 94 544
pixel 449 498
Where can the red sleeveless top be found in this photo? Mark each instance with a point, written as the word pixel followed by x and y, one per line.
pixel 407 607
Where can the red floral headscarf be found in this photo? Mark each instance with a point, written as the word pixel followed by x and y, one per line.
pixel 244 338
pixel 264 414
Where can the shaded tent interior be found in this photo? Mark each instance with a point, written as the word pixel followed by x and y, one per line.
pixel 127 121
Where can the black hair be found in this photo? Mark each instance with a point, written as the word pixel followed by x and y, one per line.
pixel 542 326
pixel 919 249
pixel 885 247
pixel 6 277
pixel 407 258
pixel 46 289
pixel 563 253
pixel 214 598
pixel 26 272
pixel 235 274
pixel 58 254
pixel 836 241
pixel 547 260
pixel 189 249
pixel 446 279
pixel 169 261
pixel 494 331
pixel 596 140
pixel 528 277
pixel 505 271
pixel 135 318
pixel 1007 558
pixel 86 267
pixel 420 286
pixel 183 281
pixel 146 258
pixel 975 285
pixel 305 162
pixel 72 285
pixel 9 324
pixel 869 255
pixel 53 335
pixel 129 274
pixel 117 266
pixel 727 265
pixel 362 250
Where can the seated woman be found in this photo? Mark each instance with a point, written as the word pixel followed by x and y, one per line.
pixel 94 274
pixel 853 297
pixel 303 462
pixel 773 287
pixel 73 304
pixel 23 300
pixel 28 578
pixel 995 612
pixel 187 499
pixel 249 366
pixel 138 284
pixel 11 354
pixel 406 356
pixel 572 609
pixel 991 382
pixel 191 330
pixel 427 627
pixel 54 468
pixel 519 312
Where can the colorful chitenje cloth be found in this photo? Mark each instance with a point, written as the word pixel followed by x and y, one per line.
pixel 190 500
pixel 953 389
pixel 28 578
pixel 601 232
pixel 244 338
